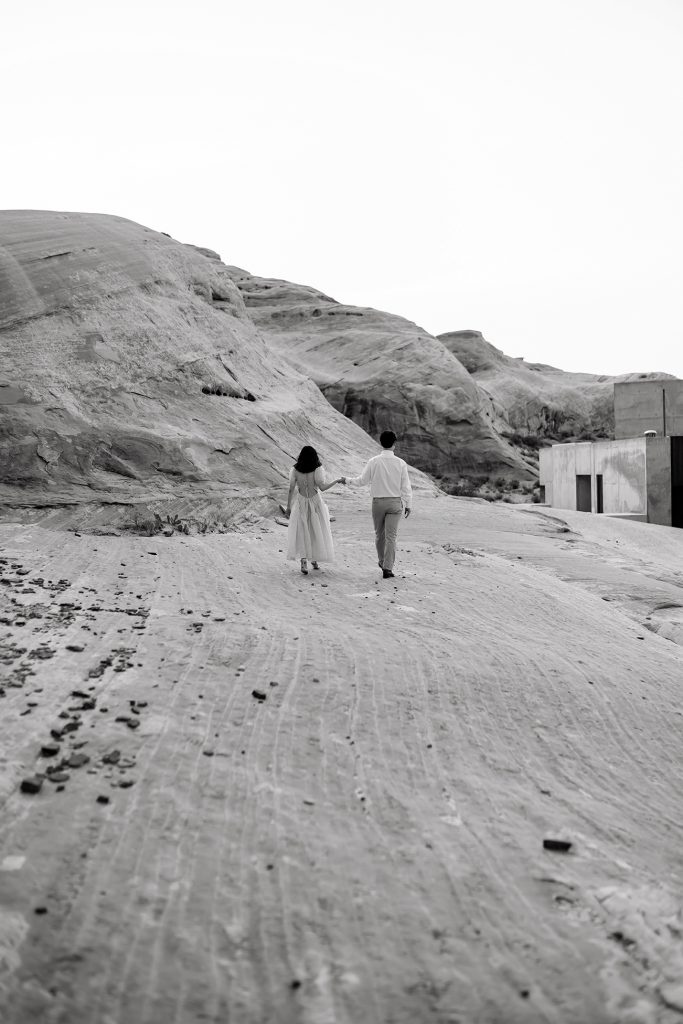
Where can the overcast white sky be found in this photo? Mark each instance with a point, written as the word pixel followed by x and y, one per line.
pixel 512 166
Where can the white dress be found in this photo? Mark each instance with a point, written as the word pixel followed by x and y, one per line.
pixel 309 534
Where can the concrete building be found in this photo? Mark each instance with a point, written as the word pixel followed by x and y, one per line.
pixel 639 475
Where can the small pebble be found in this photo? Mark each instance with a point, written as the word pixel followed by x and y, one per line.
pixel 31 784
pixel 558 845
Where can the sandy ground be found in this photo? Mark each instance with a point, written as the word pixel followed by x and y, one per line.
pixel 365 844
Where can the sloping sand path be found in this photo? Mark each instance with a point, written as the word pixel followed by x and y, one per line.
pixel 365 844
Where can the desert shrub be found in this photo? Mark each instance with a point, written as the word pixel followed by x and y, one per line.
pixel 514 483
pixel 499 482
pixel 151 524
pixel 461 488
pixel 142 522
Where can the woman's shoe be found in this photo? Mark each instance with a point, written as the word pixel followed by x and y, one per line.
pixel 303 567
pixel 315 565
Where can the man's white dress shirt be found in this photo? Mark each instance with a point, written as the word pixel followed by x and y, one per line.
pixel 387 476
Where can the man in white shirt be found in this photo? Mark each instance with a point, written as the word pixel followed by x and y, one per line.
pixel 391 497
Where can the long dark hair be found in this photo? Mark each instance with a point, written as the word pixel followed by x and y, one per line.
pixel 308 460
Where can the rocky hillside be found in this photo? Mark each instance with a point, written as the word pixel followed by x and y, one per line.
pixel 130 371
pixel 532 398
pixel 385 372
pixel 138 370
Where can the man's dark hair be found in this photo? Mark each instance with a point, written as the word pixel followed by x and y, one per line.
pixel 387 438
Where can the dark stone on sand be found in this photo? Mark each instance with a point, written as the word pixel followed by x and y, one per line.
pixel 558 845
pixel 113 757
pixel 31 784
pixel 59 777
pixel 76 648
pixel 258 694
pixel 102 799
pixel 49 750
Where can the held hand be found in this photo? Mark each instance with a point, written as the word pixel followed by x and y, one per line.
pixel 288 512
pixel 341 480
pixel 406 512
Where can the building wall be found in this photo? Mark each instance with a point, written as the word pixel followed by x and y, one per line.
pixel 568 461
pixel 545 472
pixel 638 407
pixel 623 468
pixel 658 457
pixel 621 463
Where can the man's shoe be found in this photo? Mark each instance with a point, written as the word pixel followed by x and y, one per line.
pixel 387 574
pixel 380 565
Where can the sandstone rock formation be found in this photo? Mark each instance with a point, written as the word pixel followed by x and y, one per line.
pixel 130 371
pixel 384 372
pixel 533 398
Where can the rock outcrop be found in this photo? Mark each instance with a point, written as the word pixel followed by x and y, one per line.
pixel 533 398
pixel 384 372
pixel 130 371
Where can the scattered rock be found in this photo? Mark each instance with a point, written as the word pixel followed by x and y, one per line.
pixel 558 845
pixel 101 799
pixel 258 694
pixel 31 784
pixel 49 750
pixel 77 760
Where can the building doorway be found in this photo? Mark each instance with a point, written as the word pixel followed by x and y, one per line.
pixel 598 493
pixel 583 493
pixel 677 481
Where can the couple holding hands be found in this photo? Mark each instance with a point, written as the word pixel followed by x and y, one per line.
pixel 309 535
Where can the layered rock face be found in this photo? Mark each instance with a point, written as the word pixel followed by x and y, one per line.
pixel 131 371
pixel 384 372
pixel 537 399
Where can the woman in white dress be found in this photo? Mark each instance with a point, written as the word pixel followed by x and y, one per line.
pixel 309 534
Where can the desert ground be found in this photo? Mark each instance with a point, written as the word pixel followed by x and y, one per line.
pixel 324 799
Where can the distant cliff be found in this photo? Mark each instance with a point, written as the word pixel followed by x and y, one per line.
pixel 532 398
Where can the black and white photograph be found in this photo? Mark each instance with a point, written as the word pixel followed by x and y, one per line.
pixel 341 512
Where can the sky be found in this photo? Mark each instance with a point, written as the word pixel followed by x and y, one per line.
pixel 508 166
